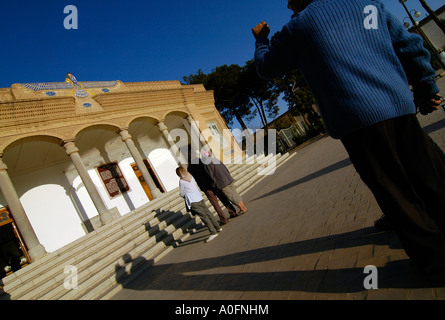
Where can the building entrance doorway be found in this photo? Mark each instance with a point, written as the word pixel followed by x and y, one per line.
pixel 142 181
pixel 13 251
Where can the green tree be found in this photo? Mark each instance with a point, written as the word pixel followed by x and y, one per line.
pixel 298 97
pixel 261 92
pixel 199 78
pixel 230 98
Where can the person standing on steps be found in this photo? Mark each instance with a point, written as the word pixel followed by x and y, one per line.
pixel 196 169
pixel 188 189
pixel 222 180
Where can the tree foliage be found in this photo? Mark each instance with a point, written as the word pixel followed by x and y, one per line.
pixel 230 98
pixel 298 96
pixel 241 94
pixel 261 92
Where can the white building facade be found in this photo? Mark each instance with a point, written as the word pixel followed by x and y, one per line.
pixel 76 155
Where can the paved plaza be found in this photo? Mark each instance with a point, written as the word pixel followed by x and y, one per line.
pixel 308 235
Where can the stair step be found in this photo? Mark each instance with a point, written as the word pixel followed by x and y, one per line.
pixel 244 187
pixel 212 209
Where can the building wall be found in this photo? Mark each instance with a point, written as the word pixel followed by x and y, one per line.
pixel 43 194
pixel 56 201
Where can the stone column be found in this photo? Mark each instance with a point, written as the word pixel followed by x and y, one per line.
pixel 126 137
pixel 195 130
pixel 105 215
pixel 173 148
pixel 35 249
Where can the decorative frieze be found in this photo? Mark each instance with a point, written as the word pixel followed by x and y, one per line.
pixel 62 109
pixel 21 112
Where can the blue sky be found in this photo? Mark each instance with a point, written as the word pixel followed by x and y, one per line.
pixel 135 40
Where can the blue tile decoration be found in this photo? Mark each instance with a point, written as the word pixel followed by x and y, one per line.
pixel 78 87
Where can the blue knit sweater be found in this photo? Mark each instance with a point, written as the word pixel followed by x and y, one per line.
pixel 356 61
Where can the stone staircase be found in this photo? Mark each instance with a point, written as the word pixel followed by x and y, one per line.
pixel 111 256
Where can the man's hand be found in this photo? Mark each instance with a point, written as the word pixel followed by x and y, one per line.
pixel 428 105
pixel 261 30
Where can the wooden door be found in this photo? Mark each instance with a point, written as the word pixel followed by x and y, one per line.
pixel 142 181
pixel 11 244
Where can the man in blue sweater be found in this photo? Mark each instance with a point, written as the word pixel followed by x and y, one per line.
pixel 359 60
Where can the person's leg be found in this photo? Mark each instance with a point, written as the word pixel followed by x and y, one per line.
pixel 231 194
pixel 424 163
pixel 206 216
pixel 215 203
pixel 374 154
pixel 226 202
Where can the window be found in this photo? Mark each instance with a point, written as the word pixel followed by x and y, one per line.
pixel 217 135
pixel 214 129
pixel 113 179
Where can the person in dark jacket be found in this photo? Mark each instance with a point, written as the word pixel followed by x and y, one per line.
pixel 196 169
pixel 188 189
pixel 222 180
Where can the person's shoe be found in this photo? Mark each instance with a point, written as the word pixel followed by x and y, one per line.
pixel 219 230
pixel 221 223
pixel 383 224
pixel 213 236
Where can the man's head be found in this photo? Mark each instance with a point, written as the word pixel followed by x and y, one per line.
pixel 297 5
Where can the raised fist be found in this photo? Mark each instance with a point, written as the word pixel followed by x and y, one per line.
pixel 261 30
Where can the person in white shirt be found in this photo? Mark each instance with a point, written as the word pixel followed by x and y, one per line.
pixel 188 189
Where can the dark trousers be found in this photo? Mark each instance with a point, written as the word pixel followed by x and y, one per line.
pixel 405 170
pixel 213 196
